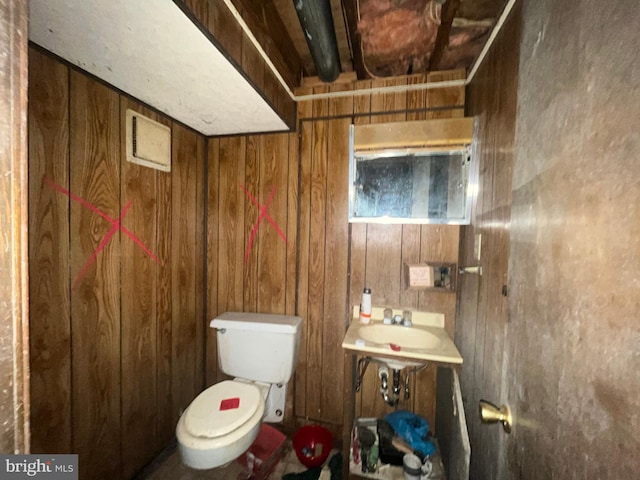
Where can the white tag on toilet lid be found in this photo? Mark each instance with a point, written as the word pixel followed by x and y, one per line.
pixel 222 408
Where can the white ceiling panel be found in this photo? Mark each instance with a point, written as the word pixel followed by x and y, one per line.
pixel 151 50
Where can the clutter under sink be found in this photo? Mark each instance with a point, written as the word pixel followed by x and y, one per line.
pixel 378 451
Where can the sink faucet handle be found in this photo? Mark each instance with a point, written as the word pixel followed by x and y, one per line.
pixel 406 318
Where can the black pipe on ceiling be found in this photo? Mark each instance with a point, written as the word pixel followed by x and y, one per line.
pixel 317 25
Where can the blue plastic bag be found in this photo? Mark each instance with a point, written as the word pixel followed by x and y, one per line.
pixel 414 429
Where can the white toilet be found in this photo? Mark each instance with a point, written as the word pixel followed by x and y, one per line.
pixel 260 351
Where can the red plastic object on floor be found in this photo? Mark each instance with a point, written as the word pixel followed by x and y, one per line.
pixel 312 444
pixel 264 453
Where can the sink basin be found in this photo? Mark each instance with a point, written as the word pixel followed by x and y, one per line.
pixel 399 346
pixel 403 337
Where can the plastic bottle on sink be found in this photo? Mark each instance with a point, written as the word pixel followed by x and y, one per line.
pixel 365 306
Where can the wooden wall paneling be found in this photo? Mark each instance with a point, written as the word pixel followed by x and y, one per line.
pixel 485 176
pixel 272 89
pixel 95 300
pixel 138 306
pixel 446 97
pixel 440 243
pixel 231 239
pixel 468 285
pixel 502 197
pixel 200 10
pixel 186 321
pixel 252 213
pixel 272 253
pixel 132 357
pixel 253 64
pixel 416 99
pixel 293 171
pixel 482 221
pixel 225 28
pixel 202 324
pixel 316 271
pixel 482 314
pixel 410 254
pixel 495 215
pixel 164 309
pixel 336 313
pixel 212 253
pixel 305 110
pixel 49 307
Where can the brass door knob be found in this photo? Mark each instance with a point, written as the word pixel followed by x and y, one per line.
pixel 466 270
pixel 489 413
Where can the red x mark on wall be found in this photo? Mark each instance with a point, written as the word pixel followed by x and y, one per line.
pixel 263 215
pixel 116 225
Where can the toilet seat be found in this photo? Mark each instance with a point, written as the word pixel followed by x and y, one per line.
pixel 222 408
pixel 201 443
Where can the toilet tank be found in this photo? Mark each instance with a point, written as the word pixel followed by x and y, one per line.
pixel 258 346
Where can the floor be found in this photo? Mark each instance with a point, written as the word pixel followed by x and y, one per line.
pixel 169 467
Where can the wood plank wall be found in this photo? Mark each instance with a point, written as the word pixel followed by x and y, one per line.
pixel 320 273
pixel 482 308
pixel 252 230
pixel 116 349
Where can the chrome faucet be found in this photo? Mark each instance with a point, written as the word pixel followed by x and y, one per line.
pixel 404 319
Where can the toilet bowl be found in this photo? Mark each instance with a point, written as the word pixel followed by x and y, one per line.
pixel 221 423
pixel 260 351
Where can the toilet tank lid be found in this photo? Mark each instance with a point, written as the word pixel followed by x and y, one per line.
pixel 261 322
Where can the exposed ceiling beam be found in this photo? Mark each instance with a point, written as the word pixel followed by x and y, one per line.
pixel 447 15
pixel 351 13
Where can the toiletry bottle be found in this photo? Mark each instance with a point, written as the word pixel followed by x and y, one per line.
pixel 365 306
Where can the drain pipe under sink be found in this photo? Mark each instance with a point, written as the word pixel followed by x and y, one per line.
pixel 383 373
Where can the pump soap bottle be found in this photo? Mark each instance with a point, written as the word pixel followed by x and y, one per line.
pixel 365 306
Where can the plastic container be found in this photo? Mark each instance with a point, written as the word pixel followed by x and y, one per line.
pixel 412 467
pixel 365 306
pixel 264 453
pixel 312 444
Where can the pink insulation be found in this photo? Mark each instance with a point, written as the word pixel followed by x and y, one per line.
pixel 397 35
